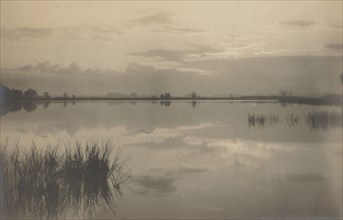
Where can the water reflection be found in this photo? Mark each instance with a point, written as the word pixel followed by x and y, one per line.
pixel 283 170
pixel 162 181
pixel 19 106
pixel 316 120
pixel 194 103
pixel 52 184
pixel 30 106
pixel 155 185
pixel 165 103
pixel 46 105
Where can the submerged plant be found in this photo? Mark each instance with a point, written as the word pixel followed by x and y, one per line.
pixel 50 183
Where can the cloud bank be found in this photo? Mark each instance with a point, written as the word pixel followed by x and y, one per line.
pixel 262 75
pixel 176 55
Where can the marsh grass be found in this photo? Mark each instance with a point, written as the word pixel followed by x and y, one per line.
pixel 324 120
pixel 315 120
pixel 293 119
pixel 261 120
pixel 54 182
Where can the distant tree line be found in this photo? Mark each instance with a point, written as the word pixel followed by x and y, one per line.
pixel 13 95
pixel 167 96
pixel 8 95
pixel 10 100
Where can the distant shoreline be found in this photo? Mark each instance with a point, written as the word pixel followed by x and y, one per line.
pixel 282 99
pixel 8 95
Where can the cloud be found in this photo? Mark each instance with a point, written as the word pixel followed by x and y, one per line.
pixel 47 67
pixel 336 47
pixel 180 30
pixel 176 55
pixel 302 75
pixel 170 55
pixel 106 30
pixel 299 24
pixel 97 37
pixel 25 32
pixel 306 177
pixel 157 18
pixel 70 33
pixel 103 33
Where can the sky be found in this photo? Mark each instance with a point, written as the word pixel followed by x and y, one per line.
pixel 150 47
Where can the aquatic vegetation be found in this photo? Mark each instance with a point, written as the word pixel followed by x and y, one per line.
pixel 262 120
pixel 51 183
pixel 293 119
pixel 323 120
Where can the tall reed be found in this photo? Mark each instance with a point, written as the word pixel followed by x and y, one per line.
pixel 73 181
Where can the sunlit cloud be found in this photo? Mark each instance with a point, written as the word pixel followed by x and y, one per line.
pixel 177 55
pixel 156 18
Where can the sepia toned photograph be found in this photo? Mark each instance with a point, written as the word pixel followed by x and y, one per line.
pixel 171 109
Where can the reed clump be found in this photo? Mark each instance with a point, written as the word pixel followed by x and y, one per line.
pixel 315 120
pixel 54 182
pixel 325 120
pixel 261 120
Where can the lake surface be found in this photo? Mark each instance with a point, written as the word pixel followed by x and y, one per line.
pixel 208 159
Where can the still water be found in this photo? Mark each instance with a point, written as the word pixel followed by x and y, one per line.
pixel 208 159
